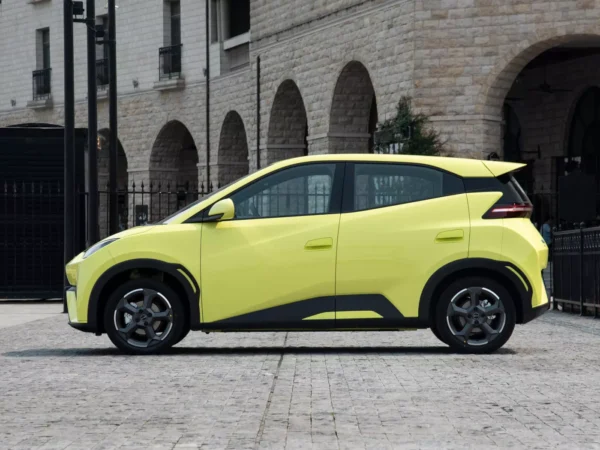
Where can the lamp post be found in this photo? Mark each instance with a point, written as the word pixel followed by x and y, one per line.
pixel 113 139
pixel 92 217
pixel 69 152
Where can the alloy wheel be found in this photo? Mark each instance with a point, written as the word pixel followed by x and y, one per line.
pixel 476 316
pixel 143 318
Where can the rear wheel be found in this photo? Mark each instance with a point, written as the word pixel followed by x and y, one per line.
pixel 475 315
pixel 144 317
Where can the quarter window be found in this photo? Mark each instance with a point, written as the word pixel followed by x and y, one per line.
pixel 298 191
pixel 380 185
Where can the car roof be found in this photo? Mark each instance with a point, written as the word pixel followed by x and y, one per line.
pixel 463 167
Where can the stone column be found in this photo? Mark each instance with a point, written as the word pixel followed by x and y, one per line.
pixel 470 136
pixel 272 153
pixel 338 142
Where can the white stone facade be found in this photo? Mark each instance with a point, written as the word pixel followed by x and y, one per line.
pixel 329 71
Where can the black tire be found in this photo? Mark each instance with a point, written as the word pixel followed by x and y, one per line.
pixel 436 333
pixel 184 333
pixel 156 317
pixel 478 326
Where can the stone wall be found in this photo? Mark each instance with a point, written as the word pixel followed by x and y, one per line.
pixel 469 52
pixel 272 17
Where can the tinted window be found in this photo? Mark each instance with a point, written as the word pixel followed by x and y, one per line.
pixel 510 188
pixel 298 191
pixel 379 185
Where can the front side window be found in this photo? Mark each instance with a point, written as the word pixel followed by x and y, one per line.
pixel 380 185
pixel 297 191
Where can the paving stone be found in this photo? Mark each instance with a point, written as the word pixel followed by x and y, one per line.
pixel 62 389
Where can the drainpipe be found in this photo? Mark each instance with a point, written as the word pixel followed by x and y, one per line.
pixel 258 113
pixel 207 94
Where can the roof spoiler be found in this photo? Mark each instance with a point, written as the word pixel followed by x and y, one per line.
pixel 499 168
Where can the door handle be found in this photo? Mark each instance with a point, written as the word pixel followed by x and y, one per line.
pixel 319 244
pixel 450 236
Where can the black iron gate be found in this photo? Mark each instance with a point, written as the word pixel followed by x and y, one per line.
pixel 31 210
pixel 576 267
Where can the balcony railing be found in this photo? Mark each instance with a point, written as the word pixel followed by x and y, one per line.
pixel 102 76
pixel 169 62
pixel 42 84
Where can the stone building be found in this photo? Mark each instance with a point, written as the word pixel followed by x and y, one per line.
pixel 515 78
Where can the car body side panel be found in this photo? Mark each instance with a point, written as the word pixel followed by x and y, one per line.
pixel 174 244
pixel 486 235
pixel 515 241
pixel 523 245
pixel 257 265
pixel 394 250
pixel 171 244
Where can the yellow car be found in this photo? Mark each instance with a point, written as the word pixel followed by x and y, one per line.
pixel 322 243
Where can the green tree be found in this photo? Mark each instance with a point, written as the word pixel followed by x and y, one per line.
pixel 408 133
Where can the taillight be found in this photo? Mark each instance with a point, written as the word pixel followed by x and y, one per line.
pixel 514 211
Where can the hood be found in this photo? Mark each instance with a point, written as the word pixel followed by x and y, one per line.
pixel 133 231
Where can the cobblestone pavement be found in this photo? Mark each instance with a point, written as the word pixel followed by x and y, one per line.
pixel 61 389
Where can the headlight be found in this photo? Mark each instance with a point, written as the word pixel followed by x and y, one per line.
pixel 94 248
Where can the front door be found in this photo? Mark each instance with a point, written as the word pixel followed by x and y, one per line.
pixel 399 224
pixel 274 264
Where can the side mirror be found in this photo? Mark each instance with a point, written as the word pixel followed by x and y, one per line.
pixel 220 211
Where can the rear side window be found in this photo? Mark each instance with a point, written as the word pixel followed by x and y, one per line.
pixel 380 185
pixel 512 193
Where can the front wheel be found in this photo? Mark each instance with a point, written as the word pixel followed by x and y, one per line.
pixel 475 315
pixel 144 317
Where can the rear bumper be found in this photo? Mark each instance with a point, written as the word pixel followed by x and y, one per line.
pixel 533 313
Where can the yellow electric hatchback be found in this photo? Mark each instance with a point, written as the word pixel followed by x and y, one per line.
pixel 336 242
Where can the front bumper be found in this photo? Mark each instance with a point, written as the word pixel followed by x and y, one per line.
pixel 533 313
pixel 71 295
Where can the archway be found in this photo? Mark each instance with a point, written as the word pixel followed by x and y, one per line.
pixel 353 116
pixel 103 158
pixel 542 84
pixel 288 125
pixel 174 158
pixel 173 177
pixel 233 150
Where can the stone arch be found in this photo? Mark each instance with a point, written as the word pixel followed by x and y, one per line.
pixel 233 149
pixel 174 157
pixel 288 124
pixel 353 115
pixel 103 158
pixel 508 67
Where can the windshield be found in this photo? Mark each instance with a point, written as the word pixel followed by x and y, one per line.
pixel 184 210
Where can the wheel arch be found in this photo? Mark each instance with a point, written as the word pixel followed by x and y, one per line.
pixel 509 275
pixel 175 275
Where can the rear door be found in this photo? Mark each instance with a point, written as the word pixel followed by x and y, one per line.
pixel 399 224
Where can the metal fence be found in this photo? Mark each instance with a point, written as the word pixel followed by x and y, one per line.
pixel 144 203
pixel 31 228
pixel 576 270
